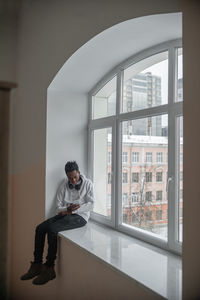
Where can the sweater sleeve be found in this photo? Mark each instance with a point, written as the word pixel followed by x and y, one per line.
pixel 60 204
pixel 89 200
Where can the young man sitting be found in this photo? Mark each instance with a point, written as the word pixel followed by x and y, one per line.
pixel 75 199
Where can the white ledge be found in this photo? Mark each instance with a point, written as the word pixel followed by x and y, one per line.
pixel 150 266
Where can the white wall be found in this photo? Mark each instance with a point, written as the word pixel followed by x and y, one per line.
pixel 67 118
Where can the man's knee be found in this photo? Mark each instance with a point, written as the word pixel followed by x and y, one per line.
pixel 41 228
pixel 52 230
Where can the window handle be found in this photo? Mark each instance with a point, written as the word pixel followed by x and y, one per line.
pixel 168 182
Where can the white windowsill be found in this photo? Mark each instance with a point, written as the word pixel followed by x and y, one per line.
pixel 152 267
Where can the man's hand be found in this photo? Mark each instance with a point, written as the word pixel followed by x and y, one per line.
pixel 73 207
pixel 70 209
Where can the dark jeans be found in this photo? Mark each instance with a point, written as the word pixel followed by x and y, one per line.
pixel 51 227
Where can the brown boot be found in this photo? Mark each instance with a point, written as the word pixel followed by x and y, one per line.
pixel 47 273
pixel 33 271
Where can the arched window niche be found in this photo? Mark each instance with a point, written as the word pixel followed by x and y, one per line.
pixel 70 135
pixel 136 145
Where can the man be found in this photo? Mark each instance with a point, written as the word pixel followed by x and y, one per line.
pixel 75 200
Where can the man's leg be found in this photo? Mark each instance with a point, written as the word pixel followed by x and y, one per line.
pixel 64 223
pixel 40 233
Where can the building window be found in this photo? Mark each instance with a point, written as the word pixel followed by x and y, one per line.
pixel 125 218
pixel 159 157
pixel 148 196
pixel 135 157
pixel 125 178
pixel 109 178
pixel 109 200
pixel 109 157
pixel 135 197
pixel 149 157
pixel 135 217
pixel 135 177
pixel 148 215
pixel 148 176
pixel 159 176
pixel 125 198
pixel 124 157
pixel 159 195
pixel 158 214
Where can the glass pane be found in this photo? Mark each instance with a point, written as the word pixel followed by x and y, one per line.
pixel 144 176
pixel 179 96
pixel 102 171
pixel 180 185
pixel 146 83
pixel 104 102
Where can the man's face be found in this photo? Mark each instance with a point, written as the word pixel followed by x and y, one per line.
pixel 73 176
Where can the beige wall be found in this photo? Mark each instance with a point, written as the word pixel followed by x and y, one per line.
pixel 191 192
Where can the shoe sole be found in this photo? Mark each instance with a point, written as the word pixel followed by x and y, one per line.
pixel 37 283
pixel 29 277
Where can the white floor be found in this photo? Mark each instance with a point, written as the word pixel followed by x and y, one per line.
pixel 154 268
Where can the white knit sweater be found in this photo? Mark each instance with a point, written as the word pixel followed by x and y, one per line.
pixel 84 197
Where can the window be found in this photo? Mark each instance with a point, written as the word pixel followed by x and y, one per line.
pixel 135 177
pixel 149 157
pixel 148 196
pixel 159 177
pixel 125 157
pixel 125 178
pixel 103 102
pixel 135 157
pixel 159 195
pixel 135 197
pixel 159 214
pixel 102 170
pixel 159 157
pixel 109 157
pixel 148 176
pixel 135 217
pixel 129 113
pixel 125 198
pixel 109 178
pixel 148 215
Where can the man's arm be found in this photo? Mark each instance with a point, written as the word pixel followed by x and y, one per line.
pixel 89 200
pixel 61 206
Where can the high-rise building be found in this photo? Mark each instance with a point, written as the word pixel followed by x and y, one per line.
pixel 140 92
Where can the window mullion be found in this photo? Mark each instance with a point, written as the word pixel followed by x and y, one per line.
pixel 171 181
pixel 172 144
pixel 118 152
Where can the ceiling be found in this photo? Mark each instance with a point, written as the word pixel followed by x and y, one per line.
pixel 105 51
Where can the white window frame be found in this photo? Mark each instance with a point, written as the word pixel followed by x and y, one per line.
pixel 173 109
pixel 125 157
pixel 135 197
pixel 149 157
pixel 159 172
pixel 159 157
pixel 134 155
pixel 138 177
